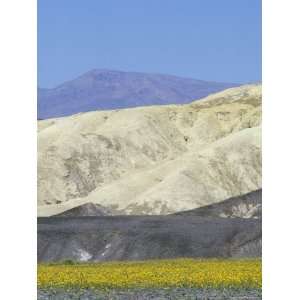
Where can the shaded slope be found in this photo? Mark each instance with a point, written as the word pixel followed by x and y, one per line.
pixel 244 206
pixel 86 210
pixel 108 89
pixel 146 237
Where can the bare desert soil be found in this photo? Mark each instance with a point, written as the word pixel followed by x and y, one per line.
pixel 153 294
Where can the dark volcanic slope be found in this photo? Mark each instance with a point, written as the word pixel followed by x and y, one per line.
pixel 86 210
pixel 245 206
pixel 107 89
pixel 146 237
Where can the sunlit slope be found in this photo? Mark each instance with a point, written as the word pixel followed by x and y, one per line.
pixel 152 160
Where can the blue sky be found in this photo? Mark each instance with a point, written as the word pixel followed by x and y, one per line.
pixel 204 39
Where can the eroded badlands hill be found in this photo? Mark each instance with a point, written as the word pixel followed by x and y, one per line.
pixel 244 206
pixel 152 160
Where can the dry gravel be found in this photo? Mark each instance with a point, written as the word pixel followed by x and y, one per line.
pixel 153 294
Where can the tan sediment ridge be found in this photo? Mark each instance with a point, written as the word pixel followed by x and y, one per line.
pixel 152 160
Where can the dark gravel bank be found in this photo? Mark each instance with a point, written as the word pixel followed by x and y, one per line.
pixel 153 294
pixel 146 237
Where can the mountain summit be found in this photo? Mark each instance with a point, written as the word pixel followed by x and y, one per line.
pixel 102 89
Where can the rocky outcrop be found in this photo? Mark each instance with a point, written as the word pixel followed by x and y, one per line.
pixel 86 210
pixel 244 206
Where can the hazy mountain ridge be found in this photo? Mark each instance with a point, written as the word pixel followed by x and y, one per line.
pixel 101 89
pixel 153 160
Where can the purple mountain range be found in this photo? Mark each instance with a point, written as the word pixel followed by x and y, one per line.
pixel 101 89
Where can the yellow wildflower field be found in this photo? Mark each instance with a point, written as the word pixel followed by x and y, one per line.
pixel 196 273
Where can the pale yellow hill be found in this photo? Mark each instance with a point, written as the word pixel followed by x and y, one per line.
pixel 152 160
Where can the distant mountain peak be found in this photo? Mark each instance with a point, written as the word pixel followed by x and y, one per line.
pixel 105 89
